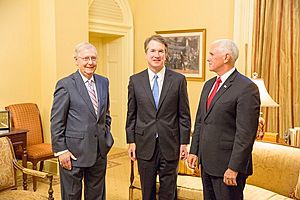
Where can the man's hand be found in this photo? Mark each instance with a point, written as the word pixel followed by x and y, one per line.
pixel 131 151
pixel 183 152
pixel 65 160
pixel 192 161
pixel 230 177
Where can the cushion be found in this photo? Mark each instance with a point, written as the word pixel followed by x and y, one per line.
pixel 189 187
pixel 275 167
pixel 254 192
pixel 38 151
pixel 185 170
pixel 7 175
pixel 297 188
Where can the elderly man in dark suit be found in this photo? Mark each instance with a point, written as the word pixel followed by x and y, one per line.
pixel 80 127
pixel 158 121
pixel 225 126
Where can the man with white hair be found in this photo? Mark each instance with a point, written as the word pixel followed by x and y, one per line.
pixel 225 126
pixel 80 127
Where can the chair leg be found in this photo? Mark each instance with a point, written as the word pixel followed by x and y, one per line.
pixel 41 165
pixel 34 179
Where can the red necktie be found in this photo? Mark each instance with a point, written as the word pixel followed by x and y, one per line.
pixel 213 93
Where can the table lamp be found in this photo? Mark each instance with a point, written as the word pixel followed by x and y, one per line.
pixel 265 101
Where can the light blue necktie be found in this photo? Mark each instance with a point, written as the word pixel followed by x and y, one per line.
pixel 155 91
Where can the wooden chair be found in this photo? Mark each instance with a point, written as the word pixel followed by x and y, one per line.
pixel 27 116
pixel 8 181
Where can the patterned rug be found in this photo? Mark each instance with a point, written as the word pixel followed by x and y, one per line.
pixel 110 163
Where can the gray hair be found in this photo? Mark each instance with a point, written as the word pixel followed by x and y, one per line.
pixel 229 47
pixel 83 45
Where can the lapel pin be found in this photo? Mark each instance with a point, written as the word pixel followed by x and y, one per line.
pixel 225 86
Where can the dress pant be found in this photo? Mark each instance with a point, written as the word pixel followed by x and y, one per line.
pixel 93 177
pixel 215 189
pixel 167 172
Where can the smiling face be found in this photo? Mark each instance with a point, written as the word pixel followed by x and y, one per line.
pixel 86 60
pixel 155 55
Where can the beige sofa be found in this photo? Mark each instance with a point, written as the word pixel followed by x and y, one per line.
pixel 276 176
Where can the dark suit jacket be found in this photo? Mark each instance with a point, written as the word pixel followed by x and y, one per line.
pixel 224 135
pixel 171 121
pixel 74 123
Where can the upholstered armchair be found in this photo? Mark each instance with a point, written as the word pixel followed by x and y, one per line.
pixel 27 116
pixel 8 180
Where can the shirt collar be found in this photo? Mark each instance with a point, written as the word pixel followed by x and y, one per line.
pixel 160 74
pixel 227 74
pixel 84 78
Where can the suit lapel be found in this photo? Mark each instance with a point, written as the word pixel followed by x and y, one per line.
pixel 227 84
pixel 83 92
pixel 166 85
pixel 206 92
pixel 100 93
pixel 146 84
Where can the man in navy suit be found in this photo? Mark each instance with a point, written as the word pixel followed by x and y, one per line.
pixel 225 126
pixel 80 127
pixel 158 121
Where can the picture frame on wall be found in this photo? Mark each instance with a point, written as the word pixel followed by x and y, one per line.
pixel 186 52
pixel 4 121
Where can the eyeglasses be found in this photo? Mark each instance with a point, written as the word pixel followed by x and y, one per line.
pixel 87 59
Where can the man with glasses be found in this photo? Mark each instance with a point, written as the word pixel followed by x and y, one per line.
pixel 80 128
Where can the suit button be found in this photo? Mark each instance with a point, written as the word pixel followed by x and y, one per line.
pixel 95 135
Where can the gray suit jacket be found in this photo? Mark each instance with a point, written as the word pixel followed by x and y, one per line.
pixel 74 123
pixel 171 121
pixel 224 134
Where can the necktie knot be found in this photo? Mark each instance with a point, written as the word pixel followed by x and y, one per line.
pixel 90 83
pixel 218 81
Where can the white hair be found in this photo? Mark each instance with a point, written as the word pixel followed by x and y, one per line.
pixel 229 46
pixel 83 45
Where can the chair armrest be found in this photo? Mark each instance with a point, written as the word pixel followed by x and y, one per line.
pixel 31 171
pixel 37 173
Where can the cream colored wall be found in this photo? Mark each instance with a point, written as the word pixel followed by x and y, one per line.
pixel 19 52
pixel 157 15
pixel 61 29
pixel 37 40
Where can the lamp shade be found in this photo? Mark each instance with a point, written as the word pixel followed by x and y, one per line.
pixel 265 99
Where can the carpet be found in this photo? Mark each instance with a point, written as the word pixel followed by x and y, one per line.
pixel 110 163
pixel 55 181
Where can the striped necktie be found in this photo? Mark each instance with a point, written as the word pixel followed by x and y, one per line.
pixel 92 94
